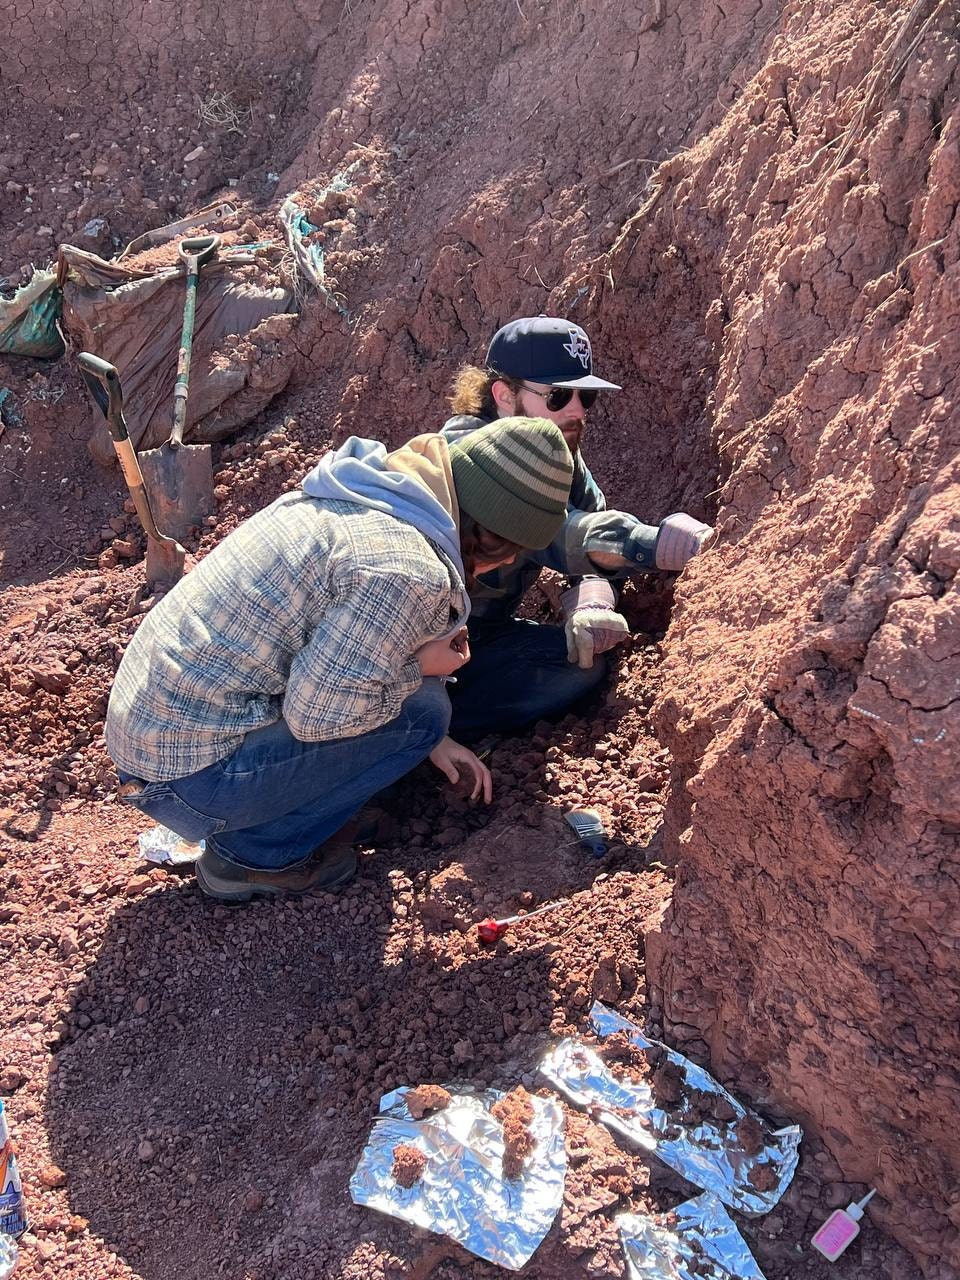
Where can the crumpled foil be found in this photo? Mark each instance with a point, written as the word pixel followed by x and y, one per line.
pixel 462 1192
pixel 703 1232
pixel 708 1154
pixel 164 848
pixel 8 1256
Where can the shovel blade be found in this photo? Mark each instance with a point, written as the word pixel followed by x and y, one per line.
pixel 179 483
pixel 165 563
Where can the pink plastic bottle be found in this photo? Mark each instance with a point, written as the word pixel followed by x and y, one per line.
pixel 840 1228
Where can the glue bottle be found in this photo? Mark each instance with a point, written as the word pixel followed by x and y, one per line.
pixel 840 1228
pixel 13 1217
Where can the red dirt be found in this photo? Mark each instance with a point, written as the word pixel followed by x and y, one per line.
pixel 765 250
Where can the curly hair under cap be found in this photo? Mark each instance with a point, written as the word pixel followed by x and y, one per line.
pixel 472 391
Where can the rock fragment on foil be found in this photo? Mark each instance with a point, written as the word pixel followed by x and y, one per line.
pixel 408 1165
pixel 426 1098
pixel 515 1113
pixel 677 1111
pixel 461 1191
pixel 696 1241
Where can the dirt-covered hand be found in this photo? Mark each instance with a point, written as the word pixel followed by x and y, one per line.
pixel 453 760
pixel 444 657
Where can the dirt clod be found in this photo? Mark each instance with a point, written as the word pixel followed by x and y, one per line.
pixel 749 1134
pixel 51 1176
pixel 515 1113
pixel 426 1098
pixel 763 1177
pixel 669 1084
pixel 408 1165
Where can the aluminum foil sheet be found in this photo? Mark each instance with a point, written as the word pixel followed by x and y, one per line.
pixel 708 1154
pixel 701 1244
pixel 462 1193
pixel 164 848
pixel 8 1256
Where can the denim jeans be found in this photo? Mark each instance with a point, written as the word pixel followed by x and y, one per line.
pixel 275 799
pixel 518 673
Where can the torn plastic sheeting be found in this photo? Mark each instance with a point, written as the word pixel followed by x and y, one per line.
pixel 309 258
pixel 462 1193
pixel 696 1241
pixel 133 317
pixel 709 1154
pixel 9 413
pixel 28 320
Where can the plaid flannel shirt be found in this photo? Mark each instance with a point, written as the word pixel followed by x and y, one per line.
pixel 589 527
pixel 310 610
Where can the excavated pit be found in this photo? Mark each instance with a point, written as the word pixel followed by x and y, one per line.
pixel 753 212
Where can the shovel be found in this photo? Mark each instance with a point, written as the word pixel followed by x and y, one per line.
pixel 164 555
pixel 179 477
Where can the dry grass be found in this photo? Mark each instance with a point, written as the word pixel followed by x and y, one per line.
pixel 884 76
pixel 221 111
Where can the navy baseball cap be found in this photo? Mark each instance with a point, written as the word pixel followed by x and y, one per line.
pixel 545 349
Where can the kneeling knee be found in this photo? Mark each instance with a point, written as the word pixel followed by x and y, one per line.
pixel 598 672
pixel 431 710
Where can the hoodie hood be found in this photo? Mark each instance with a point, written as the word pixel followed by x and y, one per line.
pixel 413 483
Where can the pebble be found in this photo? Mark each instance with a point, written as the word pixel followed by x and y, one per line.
pixel 11 1078
pixel 51 1176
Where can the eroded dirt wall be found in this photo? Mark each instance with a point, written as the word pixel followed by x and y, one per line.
pixel 814 657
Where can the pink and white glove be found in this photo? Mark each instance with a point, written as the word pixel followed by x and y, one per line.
pixel 592 624
pixel 679 540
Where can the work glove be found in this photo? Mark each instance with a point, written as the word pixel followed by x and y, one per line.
pixel 591 622
pixel 679 540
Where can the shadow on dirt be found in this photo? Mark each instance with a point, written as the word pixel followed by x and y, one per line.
pixel 229 1063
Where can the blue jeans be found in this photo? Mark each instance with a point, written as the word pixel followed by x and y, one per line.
pixel 518 673
pixel 275 799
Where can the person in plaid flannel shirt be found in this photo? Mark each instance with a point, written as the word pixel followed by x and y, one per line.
pixel 301 667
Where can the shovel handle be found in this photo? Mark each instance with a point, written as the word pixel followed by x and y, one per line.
pixel 201 248
pixel 103 383
pixel 194 251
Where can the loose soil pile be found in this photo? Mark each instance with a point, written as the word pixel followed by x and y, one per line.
pixel 753 211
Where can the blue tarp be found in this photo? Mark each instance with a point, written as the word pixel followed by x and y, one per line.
pixel 28 320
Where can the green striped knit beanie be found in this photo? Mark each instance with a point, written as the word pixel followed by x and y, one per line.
pixel 514 478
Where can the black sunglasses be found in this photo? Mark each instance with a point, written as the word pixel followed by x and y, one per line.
pixel 559 397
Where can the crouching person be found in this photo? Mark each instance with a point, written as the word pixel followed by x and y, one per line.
pixel 299 668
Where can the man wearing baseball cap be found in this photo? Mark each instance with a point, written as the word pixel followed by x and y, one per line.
pixel 543 366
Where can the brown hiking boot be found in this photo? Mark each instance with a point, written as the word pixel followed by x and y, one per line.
pixel 330 867
pixel 372 825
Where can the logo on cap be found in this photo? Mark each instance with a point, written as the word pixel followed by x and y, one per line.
pixel 579 347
